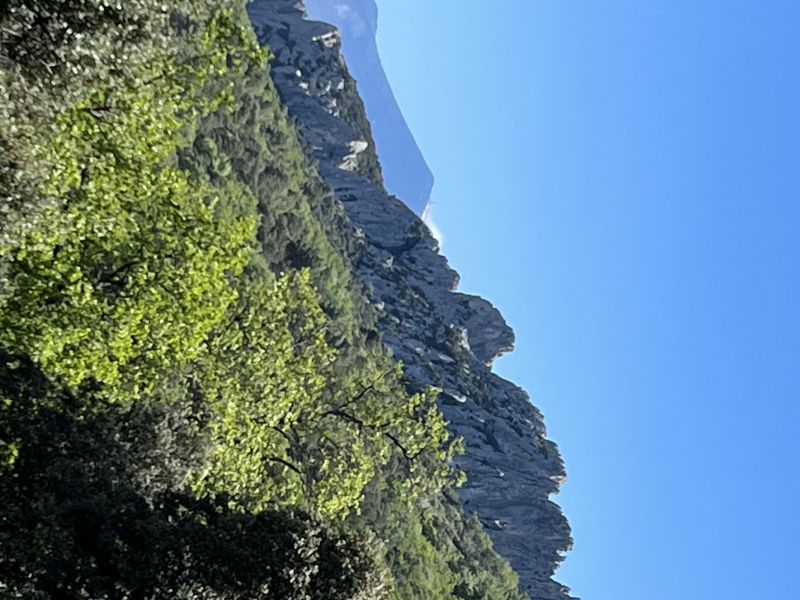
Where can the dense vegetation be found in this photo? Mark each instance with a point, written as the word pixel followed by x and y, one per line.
pixel 193 399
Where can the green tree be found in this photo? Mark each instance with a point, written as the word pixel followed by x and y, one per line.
pixel 128 268
pixel 289 429
pixel 94 510
pixel 189 368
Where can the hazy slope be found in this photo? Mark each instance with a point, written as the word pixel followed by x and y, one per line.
pixel 405 173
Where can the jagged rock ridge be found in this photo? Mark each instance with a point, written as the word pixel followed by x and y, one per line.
pixel 445 338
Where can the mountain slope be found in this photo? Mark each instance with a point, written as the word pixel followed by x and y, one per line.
pixel 444 338
pixel 405 172
pixel 202 306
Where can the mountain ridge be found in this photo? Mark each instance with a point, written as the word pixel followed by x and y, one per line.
pixel 445 339
pixel 405 171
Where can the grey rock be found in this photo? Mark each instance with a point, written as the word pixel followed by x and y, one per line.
pixel 405 172
pixel 445 338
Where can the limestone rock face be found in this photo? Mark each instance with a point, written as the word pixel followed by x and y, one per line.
pixel 446 339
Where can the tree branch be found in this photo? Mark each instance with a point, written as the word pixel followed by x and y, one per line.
pixel 362 393
pixel 410 457
pixel 286 464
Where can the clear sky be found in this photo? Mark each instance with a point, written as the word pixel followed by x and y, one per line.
pixel 622 179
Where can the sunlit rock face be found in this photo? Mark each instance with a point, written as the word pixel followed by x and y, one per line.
pixel 405 173
pixel 445 338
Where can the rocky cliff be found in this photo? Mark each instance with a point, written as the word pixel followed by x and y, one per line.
pixel 445 338
pixel 405 173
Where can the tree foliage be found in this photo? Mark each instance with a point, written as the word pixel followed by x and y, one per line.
pixel 290 428
pixel 127 269
pixel 194 402
pixel 93 509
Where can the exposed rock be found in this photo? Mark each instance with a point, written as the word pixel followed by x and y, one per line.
pixel 405 173
pixel 445 338
pixel 350 162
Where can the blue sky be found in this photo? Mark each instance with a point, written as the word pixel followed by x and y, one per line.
pixel 622 179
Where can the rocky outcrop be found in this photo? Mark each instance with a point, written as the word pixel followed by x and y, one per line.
pixel 445 338
pixel 405 172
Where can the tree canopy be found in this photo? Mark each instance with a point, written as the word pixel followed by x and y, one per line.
pixel 194 402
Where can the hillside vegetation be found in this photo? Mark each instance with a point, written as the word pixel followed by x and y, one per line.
pixel 194 402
